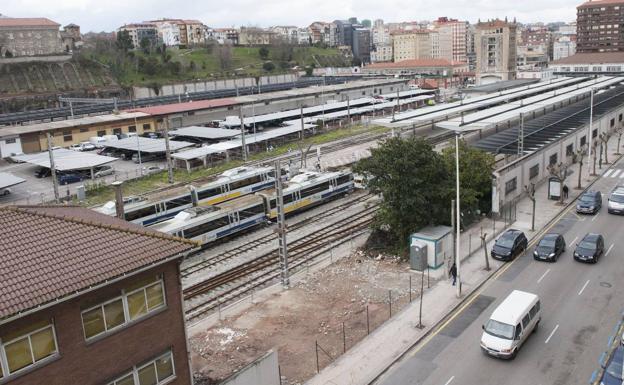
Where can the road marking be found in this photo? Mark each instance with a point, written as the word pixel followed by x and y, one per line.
pixel 595 216
pixel 450 380
pixel 551 334
pixel 615 174
pixel 543 275
pixel 574 240
pixel 608 251
pixel 622 175
pixel 607 173
pixel 584 286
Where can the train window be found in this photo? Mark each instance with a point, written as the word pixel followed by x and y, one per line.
pixel 207 227
pixel 245 182
pixel 251 211
pixel 288 198
pixel 140 213
pixel 344 179
pixel 273 204
pixel 314 189
pixel 208 193
pixel 177 202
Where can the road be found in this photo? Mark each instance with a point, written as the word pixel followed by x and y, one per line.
pixel 581 305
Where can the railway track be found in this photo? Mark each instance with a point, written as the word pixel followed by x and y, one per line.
pixel 263 240
pixel 206 296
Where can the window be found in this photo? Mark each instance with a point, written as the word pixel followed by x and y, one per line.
pixel 518 331
pixel 612 123
pixel 570 149
pixel 84 129
pixel 67 136
pixel 131 128
pixel 511 185
pixel 131 305
pixel 534 310
pixel 101 133
pixel 155 372
pixel 553 159
pixel 620 118
pixel 525 321
pixel 583 140
pixel 147 127
pixel 26 347
pixel 595 133
pixel 10 141
pixel 534 171
pixel 116 131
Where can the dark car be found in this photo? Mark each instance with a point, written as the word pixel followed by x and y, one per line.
pixel 70 178
pixel 589 203
pixel 590 248
pixel 614 371
pixel 549 248
pixel 507 246
pixel 43 172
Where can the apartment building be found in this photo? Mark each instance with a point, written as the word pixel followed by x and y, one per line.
pixel 321 32
pixel 495 46
pixel 89 300
pixel 255 36
pixel 453 39
pixel 600 26
pixel 140 31
pixel 411 45
pixel 29 37
pixel 564 46
pixel 382 53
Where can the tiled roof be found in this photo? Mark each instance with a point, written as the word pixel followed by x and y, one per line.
pixel 183 107
pixel 598 3
pixel 27 22
pixel 592 58
pixel 50 253
pixel 413 63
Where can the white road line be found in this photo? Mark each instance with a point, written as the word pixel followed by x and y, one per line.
pixel 622 175
pixel 608 251
pixel 583 288
pixel 574 240
pixel 551 334
pixel 543 275
pixel 450 380
pixel 595 216
pixel 615 174
pixel 607 173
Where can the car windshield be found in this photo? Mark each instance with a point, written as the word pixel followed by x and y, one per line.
pixel 587 245
pixel 505 241
pixel 615 367
pixel 618 198
pixel 547 243
pixel 587 199
pixel 499 329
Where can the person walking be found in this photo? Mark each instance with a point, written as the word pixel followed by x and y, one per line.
pixel 454 273
pixel 565 191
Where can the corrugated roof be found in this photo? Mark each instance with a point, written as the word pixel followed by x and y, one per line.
pixel 27 22
pixel 413 63
pixel 592 58
pixel 50 253
pixel 188 106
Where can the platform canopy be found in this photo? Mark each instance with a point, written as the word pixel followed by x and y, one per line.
pixel 66 160
pixel 210 133
pixel 8 180
pixel 139 143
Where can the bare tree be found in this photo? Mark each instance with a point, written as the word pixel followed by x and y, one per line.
pixel 560 171
pixel 530 190
pixel 485 252
pixel 304 153
pixel 604 138
pixel 224 55
pixel 577 157
pixel 594 146
pixel 619 131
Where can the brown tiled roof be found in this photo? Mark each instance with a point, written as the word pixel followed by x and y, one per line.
pixel 598 3
pixel 412 63
pixel 50 253
pixel 27 22
pixel 592 58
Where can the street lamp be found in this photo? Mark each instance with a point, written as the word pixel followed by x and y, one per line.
pixel 591 133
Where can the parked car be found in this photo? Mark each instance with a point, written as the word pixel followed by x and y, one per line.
pixel 103 171
pixel 70 178
pixel 43 172
pixel 5 191
pixel 509 245
pixel 589 203
pixel 151 135
pixel 145 157
pixel 87 146
pixel 151 170
pixel 75 147
pixel 590 248
pixel 549 248
pixel 615 204
pixel 614 369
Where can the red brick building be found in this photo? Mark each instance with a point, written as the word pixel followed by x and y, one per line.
pixel 89 299
pixel 600 26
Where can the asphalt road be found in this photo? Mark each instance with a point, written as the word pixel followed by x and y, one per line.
pixel 581 304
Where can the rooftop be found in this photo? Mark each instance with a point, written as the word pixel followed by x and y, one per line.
pixel 52 253
pixel 592 58
pixel 166 109
pixel 27 22
pixel 598 3
pixel 413 63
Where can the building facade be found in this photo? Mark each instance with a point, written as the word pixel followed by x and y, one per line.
pixel 600 26
pixel 495 46
pixel 412 45
pixel 362 44
pixel 452 36
pixel 29 37
pixel 381 53
pixel 564 46
pixel 255 36
pixel 93 307
pixel 138 32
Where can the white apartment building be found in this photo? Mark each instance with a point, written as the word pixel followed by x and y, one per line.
pixel 382 53
pixel 563 47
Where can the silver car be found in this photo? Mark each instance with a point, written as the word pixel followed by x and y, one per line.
pixel 103 171
pixel 616 201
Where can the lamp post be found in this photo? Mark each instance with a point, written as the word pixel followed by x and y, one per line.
pixel 457 212
pixel 591 133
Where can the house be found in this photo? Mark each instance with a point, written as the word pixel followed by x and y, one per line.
pixel 29 37
pixel 89 299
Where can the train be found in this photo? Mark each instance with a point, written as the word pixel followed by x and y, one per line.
pixel 208 224
pixel 229 185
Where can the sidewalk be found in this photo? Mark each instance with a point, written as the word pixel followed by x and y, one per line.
pixel 361 364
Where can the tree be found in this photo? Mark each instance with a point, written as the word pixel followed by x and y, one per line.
pixel 530 190
pixel 604 138
pixel 309 71
pixel 619 131
pixel 410 176
pixel 560 171
pixel 264 53
pixel 224 54
pixel 146 45
pixel 594 145
pixel 192 65
pixel 577 157
pixel 124 41
pixel 268 66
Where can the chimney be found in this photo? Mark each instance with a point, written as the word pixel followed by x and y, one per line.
pixel 119 206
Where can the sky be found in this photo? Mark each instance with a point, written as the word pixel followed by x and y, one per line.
pixel 107 15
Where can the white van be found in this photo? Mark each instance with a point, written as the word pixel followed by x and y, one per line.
pixel 511 324
pixel 97 141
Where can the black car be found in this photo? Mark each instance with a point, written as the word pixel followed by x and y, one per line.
pixel 43 172
pixel 590 248
pixel 549 248
pixel 70 178
pixel 507 246
pixel 589 203
pixel 614 371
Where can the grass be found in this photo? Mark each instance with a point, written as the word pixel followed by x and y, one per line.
pixel 97 195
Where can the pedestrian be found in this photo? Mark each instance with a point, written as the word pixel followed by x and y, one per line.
pixel 565 191
pixel 454 273
pixel 318 166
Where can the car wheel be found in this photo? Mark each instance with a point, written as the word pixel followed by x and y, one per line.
pixel 536 326
pixel 513 355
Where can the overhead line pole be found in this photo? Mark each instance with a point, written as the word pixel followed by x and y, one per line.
pixel 168 153
pixel 53 168
pixel 281 227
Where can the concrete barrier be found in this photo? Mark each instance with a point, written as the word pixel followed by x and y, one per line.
pixel 263 371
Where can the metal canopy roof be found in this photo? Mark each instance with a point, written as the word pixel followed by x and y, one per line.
pixel 541 131
pixel 204 132
pixel 65 160
pixel 139 143
pixel 8 180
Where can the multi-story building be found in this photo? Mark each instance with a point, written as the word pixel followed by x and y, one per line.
pixel 224 35
pixel 452 36
pixel 255 36
pixel 29 37
pixel 471 53
pixel 380 33
pixel 195 32
pixel 411 45
pixel 344 33
pixel 288 33
pixel 600 26
pixel 435 44
pixel 321 32
pixel 87 299
pixel 361 44
pixel 564 46
pixel 382 53
pixel 538 37
pixel 138 32
pixel 495 46
pixel 303 36
pixel 530 57
pixel 71 37
pixel 567 29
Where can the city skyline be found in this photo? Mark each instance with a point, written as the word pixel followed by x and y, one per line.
pixel 96 16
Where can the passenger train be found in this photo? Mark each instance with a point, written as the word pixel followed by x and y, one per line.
pixel 207 224
pixel 231 184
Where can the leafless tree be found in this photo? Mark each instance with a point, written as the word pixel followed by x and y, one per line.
pixel 530 190
pixel 304 153
pixel 485 252
pixel 594 146
pixel 577 157
pixel 619 131
pixel 224 55
pixel 560 171
pixel 604 138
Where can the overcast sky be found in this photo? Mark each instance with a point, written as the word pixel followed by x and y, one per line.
pixel 107 15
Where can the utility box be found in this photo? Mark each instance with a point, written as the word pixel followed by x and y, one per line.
pixel 554 188
pixel 435 243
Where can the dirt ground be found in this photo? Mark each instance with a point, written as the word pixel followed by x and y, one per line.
pixel 314 309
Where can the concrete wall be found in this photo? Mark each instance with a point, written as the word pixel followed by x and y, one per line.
pixel 32 59
pixel 210 85
pixel 263 371
pixel 7 148
pixel 520 169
